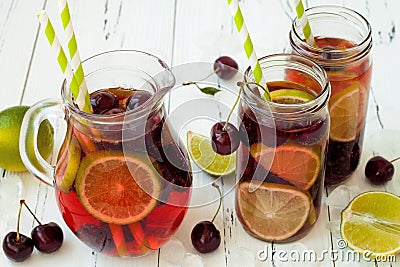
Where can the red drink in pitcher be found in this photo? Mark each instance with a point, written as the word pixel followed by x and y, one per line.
pixel 127 197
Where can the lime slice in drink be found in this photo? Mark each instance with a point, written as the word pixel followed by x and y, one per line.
pixel 290 96
pixel 273 211
pixel 115 188
pixel 371 224
pixel 343 108
pixel 67 164
pixel 203 155
pixel 296 164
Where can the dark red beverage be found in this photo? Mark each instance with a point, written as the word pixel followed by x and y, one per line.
pixel 123 187
pixel 343 48
pixel 350 83
pixel 283 157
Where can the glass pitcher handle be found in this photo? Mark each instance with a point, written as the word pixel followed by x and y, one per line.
pixel 33 161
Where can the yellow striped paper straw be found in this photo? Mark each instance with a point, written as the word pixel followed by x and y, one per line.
pixel 305 24
pixel 75 62
pixel 247 44
pixel 81 98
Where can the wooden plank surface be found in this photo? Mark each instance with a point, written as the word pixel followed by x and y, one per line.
pixel 183 32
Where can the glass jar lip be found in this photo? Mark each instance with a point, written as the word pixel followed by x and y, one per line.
pixel 320 100
pixel 140 112
pixel 333 10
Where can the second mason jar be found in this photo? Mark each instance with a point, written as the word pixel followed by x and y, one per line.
pixel 343 44
pixel 281 159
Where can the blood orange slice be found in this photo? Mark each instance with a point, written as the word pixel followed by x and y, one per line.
pixel 273 211
pixel 298 165
pixel 115 188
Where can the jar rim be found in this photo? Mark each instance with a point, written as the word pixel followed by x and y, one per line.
pixel 352 53
pixel 285 109
pixel 153 103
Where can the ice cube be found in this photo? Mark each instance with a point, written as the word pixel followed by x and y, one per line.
pixel 339 197
pixel 173 252
pixel 192 260
pixel 239 257
pixel 334 227
pixel 11 189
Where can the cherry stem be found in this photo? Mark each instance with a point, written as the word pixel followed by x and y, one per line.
pixel 220 201
pixel 23 202
pixel 208 76
pixel 393 160
pixel 267 94
pixel 19 218
pixel 231 111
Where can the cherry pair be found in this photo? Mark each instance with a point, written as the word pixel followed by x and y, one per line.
pixel 47 238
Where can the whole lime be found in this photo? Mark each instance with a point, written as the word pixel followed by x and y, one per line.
pixel 10 125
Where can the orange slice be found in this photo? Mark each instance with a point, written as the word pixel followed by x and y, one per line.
pixel 298 165
pixel 111 193
pixel 343 108
pixel 273 212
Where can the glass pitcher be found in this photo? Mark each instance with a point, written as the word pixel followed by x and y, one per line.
pixel 122 182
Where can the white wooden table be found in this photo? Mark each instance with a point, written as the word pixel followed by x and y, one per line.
pixel 181 31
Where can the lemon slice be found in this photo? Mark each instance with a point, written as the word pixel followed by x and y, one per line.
pixel 273 212
pixel 343 108
pixel 371 224
pixel 290 96
pixel 203 155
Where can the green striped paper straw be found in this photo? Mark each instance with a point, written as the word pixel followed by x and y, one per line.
pixel 75 62
pixel 247 44
pixel 81 98
pixel 305 24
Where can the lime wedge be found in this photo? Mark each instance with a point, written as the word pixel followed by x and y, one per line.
pixel 69 159
pixel 203 155
pixel 371 224
pixel 290 96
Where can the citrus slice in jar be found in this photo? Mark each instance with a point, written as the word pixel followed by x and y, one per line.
pixel 343 108
pixel 203 155
pixel 370 224
pixel 67 164
pixel 116 188
pixel 273 211
pixel 290 96
pixel 298 165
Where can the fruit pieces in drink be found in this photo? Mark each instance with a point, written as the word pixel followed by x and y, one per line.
pixel 295 164
pixel 137 223
pixel 371 224
pixel 350 83
pixel 290 169
pixel 121 200
pixel 272 211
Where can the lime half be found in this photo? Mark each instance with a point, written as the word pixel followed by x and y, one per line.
pixel 290 96
pixel 371 224
pixel 203 155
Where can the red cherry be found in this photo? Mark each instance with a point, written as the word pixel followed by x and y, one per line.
pixel 225 67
